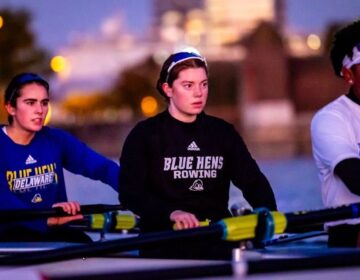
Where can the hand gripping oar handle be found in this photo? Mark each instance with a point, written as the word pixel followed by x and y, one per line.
pixel 30 214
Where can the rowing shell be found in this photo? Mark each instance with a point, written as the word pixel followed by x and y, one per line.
pixel 296 261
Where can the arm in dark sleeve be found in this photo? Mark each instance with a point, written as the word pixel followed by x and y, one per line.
pixel 247 176
pixel 135 193
pixel 348 171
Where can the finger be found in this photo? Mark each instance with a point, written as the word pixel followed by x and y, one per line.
pixel 66 207
pixel 78 207
pixel 194 221
pixel 65 220
pixel 73 218
pixel 185 223
pixel 63 206
pixel 59 204
pixel 73 207
pixel 190 221
pixel 174 216
pixel 179 225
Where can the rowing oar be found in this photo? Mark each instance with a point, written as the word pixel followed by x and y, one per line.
pixel 263 224
pixel 291 238
pixel 308 220
pixel 16 215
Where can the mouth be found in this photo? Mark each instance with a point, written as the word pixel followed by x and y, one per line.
pixel 38 121
pixel 197 104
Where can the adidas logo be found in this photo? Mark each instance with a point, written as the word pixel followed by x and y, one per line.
pixel 193 147
pixel 30 160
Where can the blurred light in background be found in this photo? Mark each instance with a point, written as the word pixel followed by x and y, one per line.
pixel 112 26
pixel 195 26
pixel 313 41
pixel 171 30
pixel 48 115
pixel 1 22
pixel 58 63
pixel 171 18
pixel 149 106
pixel 160 56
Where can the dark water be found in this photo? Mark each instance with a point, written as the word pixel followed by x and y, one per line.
pixel 294 181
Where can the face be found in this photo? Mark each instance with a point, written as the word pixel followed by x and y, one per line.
pixel 188 94
pixel 356 75
pixel 352 77
pixel 31 108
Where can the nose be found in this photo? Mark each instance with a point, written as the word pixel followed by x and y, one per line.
pixel 39 108
pixel 198 91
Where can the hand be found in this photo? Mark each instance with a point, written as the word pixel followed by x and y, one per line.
pixel 71 207
pixel 184 220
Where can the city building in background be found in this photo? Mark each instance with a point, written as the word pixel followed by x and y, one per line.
pixel 264 79
pixel 92 63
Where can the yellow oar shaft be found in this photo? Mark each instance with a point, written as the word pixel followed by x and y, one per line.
pixel 110 221
pixel 244 227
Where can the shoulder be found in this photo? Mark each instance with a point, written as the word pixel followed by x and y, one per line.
pixel 341 106
pixel 56 134
pixel 149 124
pixel 337 120
pixel 215 123
pixel 53 132
pixel 338 110
pixel 139 134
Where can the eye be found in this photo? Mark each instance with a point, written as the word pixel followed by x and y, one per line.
pixel 45 102
pixel 205 84
pixel 187 85
pixel 30 102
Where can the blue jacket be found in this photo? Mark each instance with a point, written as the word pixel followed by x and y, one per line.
pixel 31 176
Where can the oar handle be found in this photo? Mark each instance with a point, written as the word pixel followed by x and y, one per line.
pixel 106 222
pixel 99 208
pixel 203 223
pixel 15 215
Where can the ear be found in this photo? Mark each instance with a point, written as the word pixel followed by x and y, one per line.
pixel 348 75
pixel 10 109
pixel 167 89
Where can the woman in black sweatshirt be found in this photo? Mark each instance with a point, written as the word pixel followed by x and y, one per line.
pixel 176 167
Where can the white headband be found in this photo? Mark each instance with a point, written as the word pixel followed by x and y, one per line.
pixel 183 55
pixel 355 59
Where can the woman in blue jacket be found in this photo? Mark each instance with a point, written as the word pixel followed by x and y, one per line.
pixel 32 160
